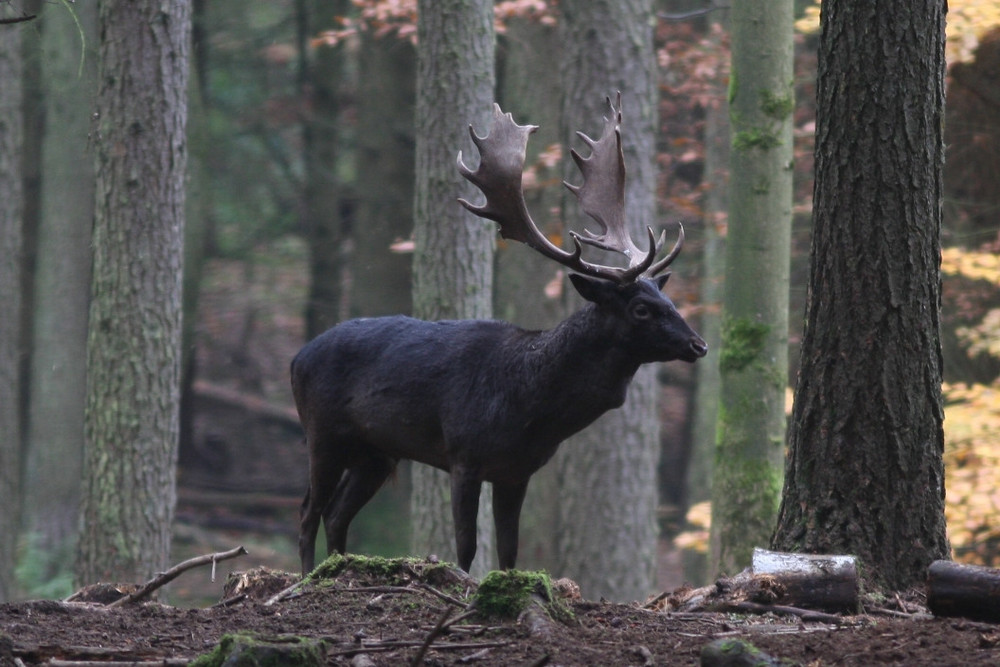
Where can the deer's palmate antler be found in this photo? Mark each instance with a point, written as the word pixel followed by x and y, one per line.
pixel 602 197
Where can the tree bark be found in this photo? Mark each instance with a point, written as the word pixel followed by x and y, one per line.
pixel 11 264
pixel 133 346
pixel 753 357
pixel 864 472
pixel 57 385
pixel 453 257
pixel 607 531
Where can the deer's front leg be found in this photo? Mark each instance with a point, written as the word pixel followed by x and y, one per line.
pixel 507 500
pixel 465 486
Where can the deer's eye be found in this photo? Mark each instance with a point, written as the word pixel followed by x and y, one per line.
pixel 641 311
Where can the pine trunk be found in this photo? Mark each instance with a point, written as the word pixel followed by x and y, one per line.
pixel 753 358
pixel 133 346
pixel 865 473
pixel 453 257
pixel 607 532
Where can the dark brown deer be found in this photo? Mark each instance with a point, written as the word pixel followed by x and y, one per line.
pixel 485 400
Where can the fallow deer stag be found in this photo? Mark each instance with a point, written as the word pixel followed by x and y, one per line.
pixel 485 400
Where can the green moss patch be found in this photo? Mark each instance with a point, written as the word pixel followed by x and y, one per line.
pixel 506 594
pixel 244 650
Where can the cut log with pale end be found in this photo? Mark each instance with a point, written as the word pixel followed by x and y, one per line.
pixel 967 591
pixel 811 581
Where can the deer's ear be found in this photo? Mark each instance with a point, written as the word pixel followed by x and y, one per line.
pixel 591 289
pixel 661 281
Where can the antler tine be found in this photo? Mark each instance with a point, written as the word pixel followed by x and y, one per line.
pixel 502 153
pixel 672 255
pixel 602 195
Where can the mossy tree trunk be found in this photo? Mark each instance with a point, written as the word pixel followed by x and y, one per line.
pixel 453 258
pixel 753 359
pixel 865 473
pixel 11 265
pixel 607 530
pixel 131 422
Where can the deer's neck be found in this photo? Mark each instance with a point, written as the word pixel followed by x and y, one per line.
pixel 582 358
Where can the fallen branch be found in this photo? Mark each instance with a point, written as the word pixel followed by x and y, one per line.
pixel 165 578
pixel 442 625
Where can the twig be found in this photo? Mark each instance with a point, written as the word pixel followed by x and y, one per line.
pixel 387 646
pixel 166 577
pixel 441 626
pixel 444 596
pixel 652 603
pixel 804 614
pixel 694 13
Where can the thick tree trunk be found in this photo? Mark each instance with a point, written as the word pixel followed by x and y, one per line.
pixel 133 346
pixel 54 457
pixel 753 358
pixel 11 265
pixel 865 473
pixel 453 258
pixel 607 531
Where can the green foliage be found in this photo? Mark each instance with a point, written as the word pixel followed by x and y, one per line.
pixel 45 574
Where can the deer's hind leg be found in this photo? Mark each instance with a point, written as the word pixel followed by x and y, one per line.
pixel 356 488
pixel 325 471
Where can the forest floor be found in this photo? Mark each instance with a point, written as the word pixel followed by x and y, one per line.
pixel 387 618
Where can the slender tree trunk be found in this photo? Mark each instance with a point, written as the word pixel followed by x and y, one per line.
pixel 706 400
pixel 11 264
pixel 753 359
pixel 54 458
pixel 133 347
pixel 320 80
pixel 865 473
pixel 453 258
pixel 607 533
pixel 380 283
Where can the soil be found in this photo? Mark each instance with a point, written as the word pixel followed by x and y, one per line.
pixel 385 619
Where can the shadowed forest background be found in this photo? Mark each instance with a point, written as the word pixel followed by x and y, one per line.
pixel 300 192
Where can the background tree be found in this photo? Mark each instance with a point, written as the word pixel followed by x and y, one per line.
pixel 384 178
pixel 525 280
pixel 607 530
pixel 57 386
pixel 864 473
pixel 11 258
pixel 133 345
pixel 321 75
pixel 753 359
pixel 452 262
